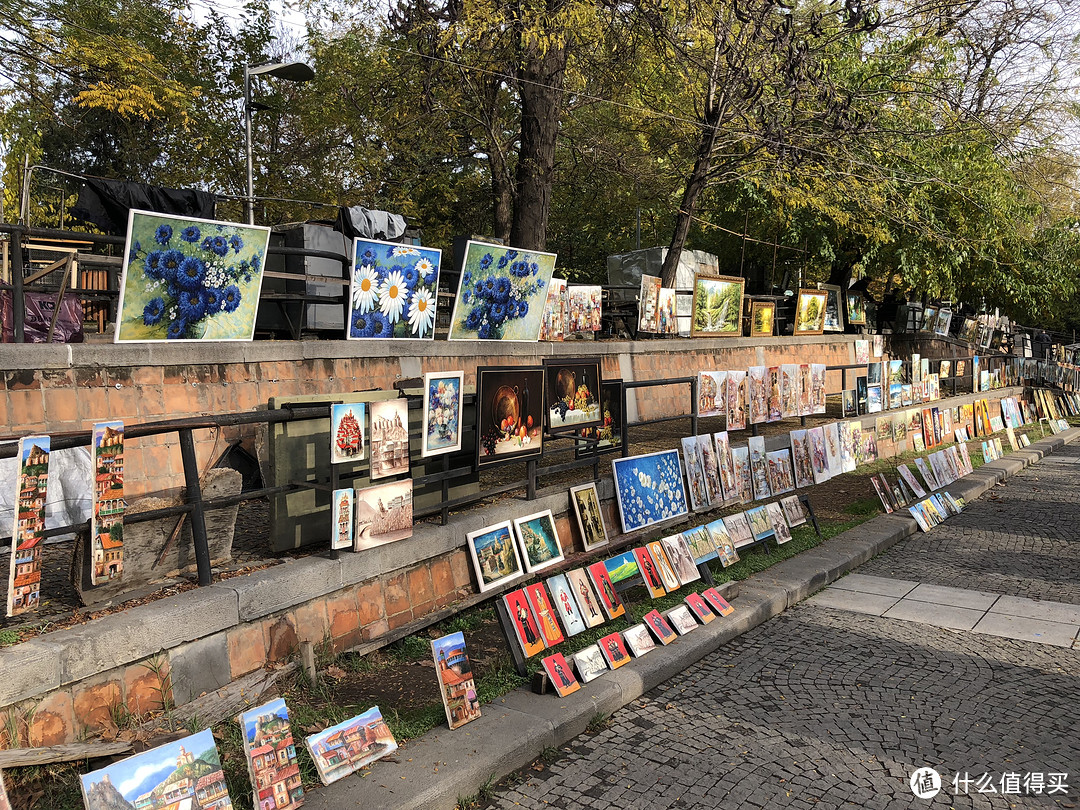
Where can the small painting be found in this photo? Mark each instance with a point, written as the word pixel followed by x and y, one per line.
pixel 539 540
pixel 189 279
pixel 699 608
pixel 834 316
pixel 585 307
pixel 347 432
pixel 659 627
pixel 681 558
pixel 668 314
pixel 800 454
pixel 681 619
pixel 494 556
pixel 501 294
pixel 351 745
pixel 562 597
pixel 759 470
pixel 609 600
pixel 393 290
pixel 717 309
pixel 573 393
pixel 271 756
pixel 509 413
pixel 848 408
pixel 776 409
pixel 587 601
pixel 590 519
pixel 695 476
pixel 590 663
pixel 862 352
pixel 442 413
pixel 544 611
pixel 712 387
pixel 727 468
pixel 856 309
pixel 608 434
pixel 638 640
pixel 760 525
pixel 781 479
pixel 341 533
pixel 736 400
pixel 762 318
pixel 758 377
pixel 622 567
pixel 614 650
pixel 740 463
pixel 107 512
pixel 170 769
pixel 649 304
pixel 879 345
pixel 31 490
pixel 721 538
pixel 789 390
pixel 457 688
pixel 383 514
pixel 806 390
pixel 389 438
pixel 780 527
pixel 831 432
pixel 944 321
pixel 817 387
pixel 663 565
pixel 717 602
pixel 649 489
pixel 526 630
pixel 556 320
pixel 650 573
pixel 561 676
pixel 700 544
pixel 810 312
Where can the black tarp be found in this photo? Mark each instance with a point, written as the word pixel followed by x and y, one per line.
pixel 360 223
pixel 105 203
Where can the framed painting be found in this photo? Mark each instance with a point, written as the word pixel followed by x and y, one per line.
pixel 587 601
pixel 442 413
pixel 31 486
pixel 107 510
pixel 590 519
pixel 509 413
pixel 649 489
pixel 501 294
pixel 540 547
pixel 544 611
pixel 649 304
pixel 389 441
pixel 585 303
pixel 555 320
pixel 347 441
pixel 561 676
pixel 494 556
pixel 187 279
pixel 944 321
pixel 762 318
pixel 566 607
pixel 712 387
pixel 572 387
pixel 341 533
pixel 526 630
pixel 929 320
pixel 383 514
pixel 649 573
pixel 268 725
pixel 608 434
pixel 856 308
pixel 590 663
pixel 810 312
pixel 834 313
pixel 601 581
pixel 393 290
pixel 456 684
pixel 717 306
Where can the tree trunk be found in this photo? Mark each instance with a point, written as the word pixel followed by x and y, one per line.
pixel 502 195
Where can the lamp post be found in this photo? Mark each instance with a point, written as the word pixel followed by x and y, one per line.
pixel 290 71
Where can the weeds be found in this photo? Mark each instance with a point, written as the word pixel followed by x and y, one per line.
pixel 598 723
pixel 8 637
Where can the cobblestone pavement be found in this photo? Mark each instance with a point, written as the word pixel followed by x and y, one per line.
pixel 823 708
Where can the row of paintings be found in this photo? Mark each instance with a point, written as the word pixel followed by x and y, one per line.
pixel 762 394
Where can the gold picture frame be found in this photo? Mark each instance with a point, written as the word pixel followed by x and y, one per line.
pixel 717 306
pixel 810 312
pixel 762 319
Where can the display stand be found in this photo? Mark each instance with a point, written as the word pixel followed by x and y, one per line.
pixel 810 511
pixel 507 625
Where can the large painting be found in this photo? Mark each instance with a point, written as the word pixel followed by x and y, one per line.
pixel 509 413
pixel 383 514
pixel 442 413
pixel 573 393
pixel 189 279
pixel 31 487
pixel 271 756
pixel 810 312
pixel 649 488
pixel 350 745
pixel 717 309
pixel 502 293
pixel 393 290
pixel 107 514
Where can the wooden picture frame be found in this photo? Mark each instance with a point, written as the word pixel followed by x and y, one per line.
pixel 762 319
pixel 590 517
pixel 810 312
pixel 514 393
pixel 479 544
pixel 833 320
pixel 856 309
pixel 716 312
pixel 572 391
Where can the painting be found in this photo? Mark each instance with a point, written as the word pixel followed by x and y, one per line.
pixel 944 321
pixel 622 567
pixel 722 541
pixel 794 511
pixel 695 475
pixel 780 527
pixel 573 393
pixel 457 688
pixel 609 600
pixel 759 470
pixel 681 558
pixel 668 315
pixel 566 607
pixel 554 323
pixel 806 390
pixel 862 351
pixel 494 556
pixel 107 510
pixel 762 318
pixel 189 279
pixel 848 407
pixel 650 573
pixel 383 514
pixel 789 390
pixel 5 804
pixel 681 619
pixel 441 432
pixel 585 303
pixel 710 468
pixel 663 565
pixel 728 484
pixel 590 663
pixel 817 387
pixel 717 602
pixel 873 399
pixel 659 627
pixel 638 640
pixel 544 612
pixel 389 437
pixel 834 315
pixel 758 377
pixel 509 413
pixel 810 312
pixel 649 304
pixel 760 525
pixel 608 434
pixel 800 454
pixel 350 745
pixel 185 770
pixel 341 532
pixel 526 630
pixel 739 529
pixel 501 294
pixel 856 308
pixel 776 410
pixel 539 539
pixel 699 608
pixel 736 400
pixel 832 447
pixel 31 487
pixel 740 463
pixel 561 676
pixel 712 388
pixel 271 756
pixel 819 455
pixel 587 601
pixel 590 519
pixel 347 441
pixel 649 489
pixel 717 309
pixel 614 650
pixel 393 290
pixel 781 479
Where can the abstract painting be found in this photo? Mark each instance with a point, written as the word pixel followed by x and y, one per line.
pixel 565 605
pixel 494 555
pixel 585 596
pixel 509 413
pixel 649 489
pixel 810 312
pixel 526 630
pixel 383 514
pixel 350 745
pixel 561 676
pixel 347 432
pixel 31 488
pixel 457 688
pixel 573 393
pixel 544 611
pixel 189 279
pixel 389 437
pixel 393 290
pixel 341 531
pixel 271 756
pixel 107 512
pixel 442 413
pixel 540 546
pixel 717 309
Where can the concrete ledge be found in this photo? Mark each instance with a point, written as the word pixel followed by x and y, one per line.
pixel 29 669
pixel 284 586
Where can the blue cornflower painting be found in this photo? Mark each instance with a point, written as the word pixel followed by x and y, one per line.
pixel 190 279
pixel 501 294
pixel 649 488
pixel 393 291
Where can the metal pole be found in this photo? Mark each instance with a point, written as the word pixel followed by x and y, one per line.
pixel 194 497
pixel 18 301
pixel 249 199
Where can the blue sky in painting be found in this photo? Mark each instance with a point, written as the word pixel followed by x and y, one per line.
pixel 249 718
pixel 143 772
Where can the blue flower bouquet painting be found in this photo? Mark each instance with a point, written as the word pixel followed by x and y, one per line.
pixel 190 279
pixel 393 290
pixel 649 488
pixel 502 293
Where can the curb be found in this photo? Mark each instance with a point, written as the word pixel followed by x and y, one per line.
pixel 434 771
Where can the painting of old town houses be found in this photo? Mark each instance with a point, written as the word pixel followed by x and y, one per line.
pixel 389 438
pixel 347 432
pixel 184 773
pixel 107 515
pixel 341 533
pixel 31 484
pixel 271 757
pixel 350 745
pixel 383 514
pixel 456 685
pixel 539 538
pixel 494 555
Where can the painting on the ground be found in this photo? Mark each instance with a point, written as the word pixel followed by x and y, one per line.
pixel 347 432
pixel 456 685
pixel 681 619
pixel 189 279
pixel 186 772
pixel 590 663
pixel 649 488
pixel 350 745
pixel 649 304
pixel 383 514
pixel 544 611
pixel 810 312
pixel 107 513
pixel 614 649
pixel 573 393
pixel 639 640
pixel 661 630
pixel 539 541
pixel 501 294
pixel 509 413
pixel 271 757
pixel 526 630
pixel 393 290
pixel 717 602
pixel 560 675
pixel 442 413
pixel 494 555
pixel 31 487
pixel 389 437
pixel 699 607
pixel 585 304
pixel 717 306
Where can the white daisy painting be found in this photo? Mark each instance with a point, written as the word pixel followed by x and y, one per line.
pixel 393 290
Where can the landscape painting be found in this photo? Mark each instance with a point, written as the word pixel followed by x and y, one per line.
pixel 383 514
pixel 494 555
pixel 717 309
pixel 649 488
pixel 622 567
pixel 107 512
pixel 31 488
pixel 271 756
pixel 393 290
pixel 389 437
pixel 509 413
pixel 539 540
pixel 456 685
pixel 762 318
pixel 350 745
pixel 442 413
pixel 810 312
pixel 347 432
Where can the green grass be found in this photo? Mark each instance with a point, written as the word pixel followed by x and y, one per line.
pixel 8 637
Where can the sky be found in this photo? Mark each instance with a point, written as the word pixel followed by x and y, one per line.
pixel 143 772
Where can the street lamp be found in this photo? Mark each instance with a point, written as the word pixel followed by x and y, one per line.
pixel 290 71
